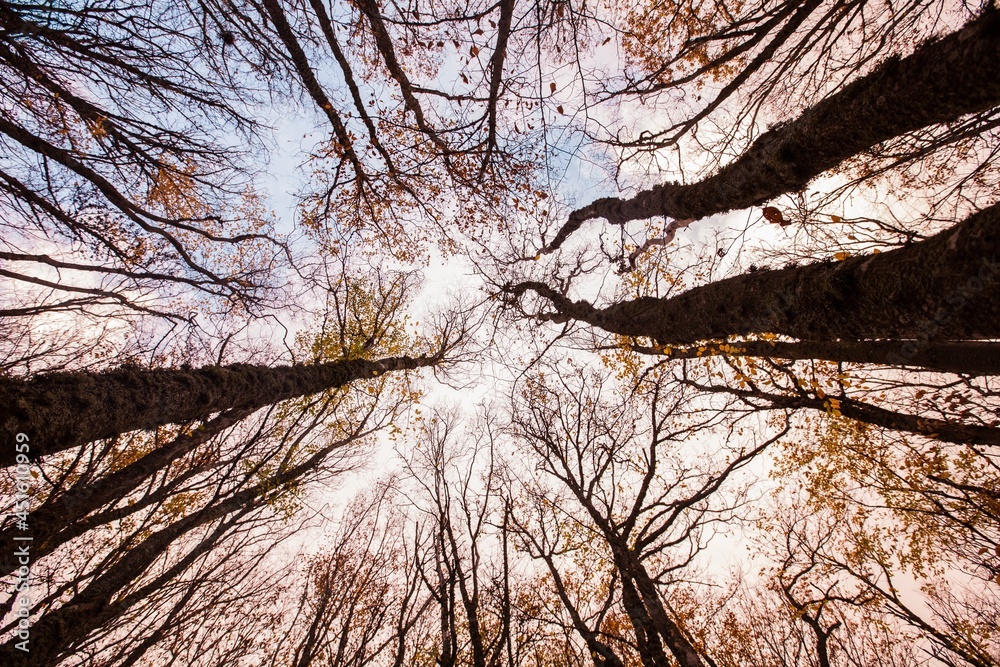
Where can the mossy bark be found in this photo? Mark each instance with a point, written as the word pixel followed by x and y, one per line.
pixel 59 411
pixel 940 82
pixel 941 289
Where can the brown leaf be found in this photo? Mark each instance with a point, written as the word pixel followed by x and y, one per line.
pixel 552 87
pixel 772 214
pixel 474 51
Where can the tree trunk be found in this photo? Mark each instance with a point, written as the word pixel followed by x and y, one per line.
pixel 642 602
pixel 59 411
pixel 944 288
pixel 940 82
pixel 968 358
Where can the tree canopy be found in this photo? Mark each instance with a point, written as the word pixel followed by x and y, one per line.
pixel 659 334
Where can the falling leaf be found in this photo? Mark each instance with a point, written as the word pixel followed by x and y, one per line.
pixel 772 214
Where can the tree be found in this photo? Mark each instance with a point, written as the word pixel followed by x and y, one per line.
pixel 893 295
pixel 116 190
pixel 638 498
pixel 59 411
pixel 862 114
pixel 186 509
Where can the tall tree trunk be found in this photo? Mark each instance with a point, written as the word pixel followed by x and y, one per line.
pixel 940 82
pixel 59 411
pixel 642 602
pixel 965 357
pixel 647 639
pixel 962 434
pixel 944 288
pixel 868 413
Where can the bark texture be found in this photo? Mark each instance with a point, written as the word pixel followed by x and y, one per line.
pixel 940 82
pixel 59 411
pixel 965 357
pixel 944 288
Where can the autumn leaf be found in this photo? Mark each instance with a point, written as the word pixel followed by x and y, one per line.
pixel 771 214
pixel 552 87
pixel 474 51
